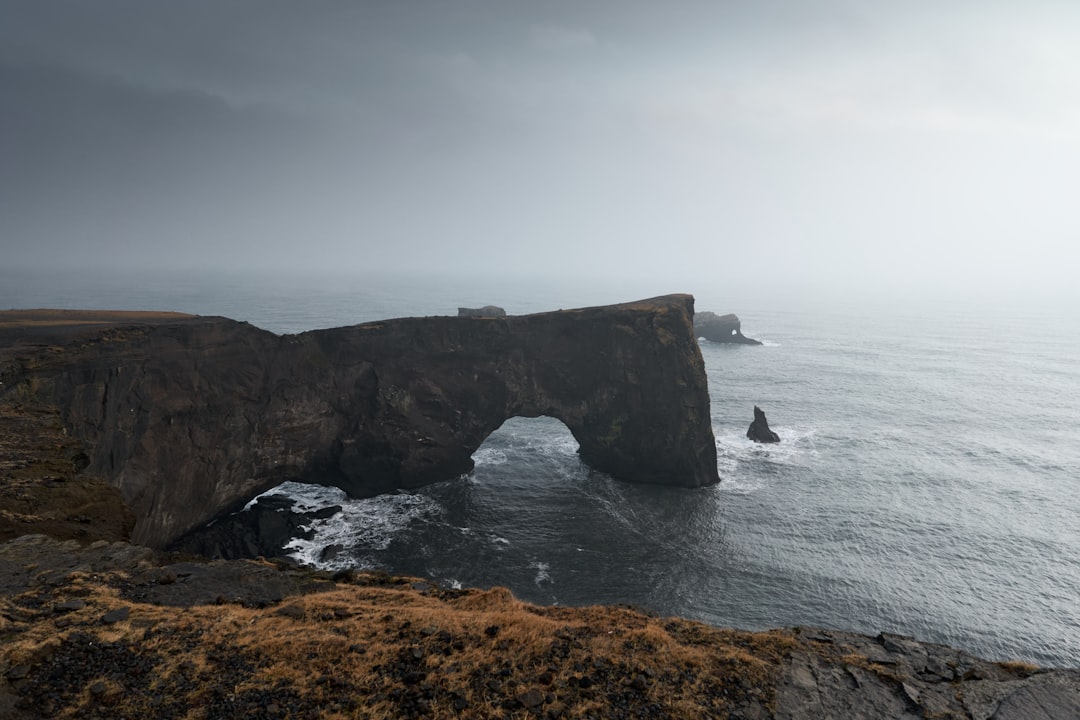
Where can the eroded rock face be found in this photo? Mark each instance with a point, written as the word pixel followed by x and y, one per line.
pixel 192 417
pixel 721 328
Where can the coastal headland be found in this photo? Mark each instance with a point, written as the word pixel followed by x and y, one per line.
pixel 96 624
pixel 191 417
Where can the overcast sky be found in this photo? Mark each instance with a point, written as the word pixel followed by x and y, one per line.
pixel 829 143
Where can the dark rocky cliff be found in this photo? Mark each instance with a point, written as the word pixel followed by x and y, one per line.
pixel 191 417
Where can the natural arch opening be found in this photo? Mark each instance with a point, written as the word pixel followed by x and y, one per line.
pixel 527 445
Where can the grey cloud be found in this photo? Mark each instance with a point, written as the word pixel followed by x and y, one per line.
pixel 793 140
pixel 558 37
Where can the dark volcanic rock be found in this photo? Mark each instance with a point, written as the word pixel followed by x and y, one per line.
pixel 488 311
pixel 331 551
pixel 263 529
pixel 721 328
pixel 759 429
pixel 190 417
pixel 114 616
pixel 862 678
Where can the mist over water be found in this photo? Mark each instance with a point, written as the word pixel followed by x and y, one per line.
pixel 928 480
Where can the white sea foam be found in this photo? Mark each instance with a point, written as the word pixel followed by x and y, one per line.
pixel 558 447
pixel 794 441
pixel 365 525
pixel 309 498
pixel 739 459
pixel 489 456
pixel 741 484
pixel 542 574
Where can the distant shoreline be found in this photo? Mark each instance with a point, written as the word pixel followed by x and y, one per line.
pixel 43 317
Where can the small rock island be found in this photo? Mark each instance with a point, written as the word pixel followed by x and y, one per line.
pixel 721 328
pixel 759 430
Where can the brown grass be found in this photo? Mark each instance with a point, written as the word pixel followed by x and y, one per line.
pixel 376 649
pixel 1019 667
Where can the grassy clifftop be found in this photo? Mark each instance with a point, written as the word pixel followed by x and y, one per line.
pixel 136 642
pixel 114 630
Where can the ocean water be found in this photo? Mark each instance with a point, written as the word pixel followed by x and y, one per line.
pixel 927 482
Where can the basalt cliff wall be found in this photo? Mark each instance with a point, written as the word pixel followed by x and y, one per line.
pixel 190 417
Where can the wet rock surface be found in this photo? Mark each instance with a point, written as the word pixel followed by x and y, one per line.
pixel 264 529
pixel 844 675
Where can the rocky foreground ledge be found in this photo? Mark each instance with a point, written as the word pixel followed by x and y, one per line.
pixel 114 630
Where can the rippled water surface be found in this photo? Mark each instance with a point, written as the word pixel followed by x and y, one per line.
pixel 928 481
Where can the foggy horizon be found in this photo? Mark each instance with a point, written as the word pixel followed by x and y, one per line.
pixel 817 148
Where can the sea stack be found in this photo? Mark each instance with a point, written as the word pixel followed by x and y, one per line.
pixel 721 328
pixel 759 429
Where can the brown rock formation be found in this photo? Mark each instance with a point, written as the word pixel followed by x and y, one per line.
pixel 191 417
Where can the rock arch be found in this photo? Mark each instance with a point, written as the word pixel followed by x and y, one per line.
pixel 627 380
pixel 191 418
